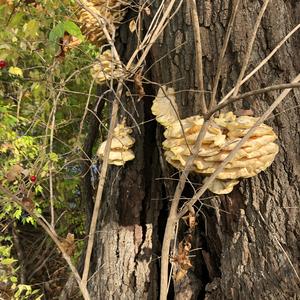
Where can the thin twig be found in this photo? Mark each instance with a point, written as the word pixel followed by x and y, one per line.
pixel 251 93
pixel 280 246
pixel 51 167
pixel 249 49
pixel 264 61
pixel 199 63
pixel 222 54
pixel 20 254
pixel 19 103
pixel 156 33
pixel 231 155
pixel 86 108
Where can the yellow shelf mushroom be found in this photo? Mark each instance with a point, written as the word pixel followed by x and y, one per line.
pixel 121 145
pixel 105 68
pixel 227 130
pixel 112 11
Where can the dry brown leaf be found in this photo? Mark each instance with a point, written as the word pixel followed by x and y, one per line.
pixel 13 173
pixel 180 274
pixel 182 258
pixel 67 43
pixel 132 25
pixel 68 244
pixel 190 221
pixel 28 203
pixel 147 11
pixel 138 84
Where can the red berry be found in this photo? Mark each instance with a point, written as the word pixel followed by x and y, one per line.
pixel 3 64
pixel 33 178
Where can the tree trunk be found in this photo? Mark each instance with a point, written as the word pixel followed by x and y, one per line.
pixel 249 248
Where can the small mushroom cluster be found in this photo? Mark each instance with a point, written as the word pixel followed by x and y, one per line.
pixel 112 11
pixel 121 145
pixel 221 137
pixel 105 68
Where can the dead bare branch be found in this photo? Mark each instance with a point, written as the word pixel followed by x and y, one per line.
pixel 251 93
pixel 199 64
pixel 249 49
pixel 264 61
pixel 222 54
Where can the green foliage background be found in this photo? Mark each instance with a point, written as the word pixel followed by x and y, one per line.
pixel 37 83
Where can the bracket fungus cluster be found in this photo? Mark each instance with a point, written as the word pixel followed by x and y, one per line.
pixel 121 145
pixel 111 11
pixel 256 154
pixel 106 68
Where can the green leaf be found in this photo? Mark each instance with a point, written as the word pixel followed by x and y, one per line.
pixel 57 32
pixel 31 28
pixel 71 28
pixel 62 27
pixel 5 251
pixel 8 261
pixel 53 156
pixel 13 279
pixel 38 189
pixel 3 109
pixel 16 19
pixel 17 214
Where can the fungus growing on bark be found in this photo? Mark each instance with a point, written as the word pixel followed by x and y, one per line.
pixel 105 68
pixel 121 145
pixel 164 107
pixel 221 137
pixel 112 11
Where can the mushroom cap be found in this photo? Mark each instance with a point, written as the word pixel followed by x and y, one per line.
pixel 119 143
pixel 224 119
pixel 106 68
pixel 120 151
pixel 120 158
pixel 164 106
pixel 221 187
pixel 111 10
pixel 186 126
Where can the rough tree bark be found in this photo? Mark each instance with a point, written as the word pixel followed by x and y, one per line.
pixel 249 239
